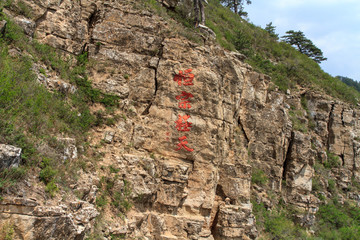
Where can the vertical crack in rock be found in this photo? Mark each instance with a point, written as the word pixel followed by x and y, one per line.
pixel 342 156
pixel 342 117
pixel 132 134
pixel 160 55
pixel 84 48
pixel 288 156
pixel 354 159
pixel 215 222
pixel 342 159
pixel 330 138
pixel 220 192
pixel 93 18
pixel 243 131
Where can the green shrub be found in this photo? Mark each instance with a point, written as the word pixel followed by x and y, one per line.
pixel 338 222
pixel 121 199
pixel 51 188
pixel 117 236
pixel 113 169
pixel 259 177
pixel 316 184
pixel 242 42
pixel 332 185
pixel 30 114
pixel 47 174
pixel 24 9
pixel 101 201
pixel 277 223
pixel 296 117
pixel 332 161
pixel 9 177
pixel 7 231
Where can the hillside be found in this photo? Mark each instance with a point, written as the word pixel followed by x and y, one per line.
pixel 120 120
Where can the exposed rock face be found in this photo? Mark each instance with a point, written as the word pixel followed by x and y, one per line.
pixel 27 24
pixel 2 26
pixel 70 149
pixel 10 156
pixel 239 125
pixel 32 221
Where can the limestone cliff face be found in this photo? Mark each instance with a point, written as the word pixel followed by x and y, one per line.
pixel 240 124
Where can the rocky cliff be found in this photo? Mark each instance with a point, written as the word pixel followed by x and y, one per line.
pixel 242 127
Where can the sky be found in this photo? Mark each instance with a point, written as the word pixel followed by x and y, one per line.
pixel 332 25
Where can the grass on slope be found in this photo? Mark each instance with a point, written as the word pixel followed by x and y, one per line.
pixel 282 62
pixel 31 116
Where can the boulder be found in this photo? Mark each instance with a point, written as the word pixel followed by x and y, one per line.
pixel 2 26
pixel 26 24
pixel 10 156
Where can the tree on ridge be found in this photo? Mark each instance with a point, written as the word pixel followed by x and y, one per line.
pixel 304 45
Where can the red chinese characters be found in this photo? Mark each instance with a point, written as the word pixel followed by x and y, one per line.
pixel 183 143
pixel 184 102
pixel 182 124
pixel 186 78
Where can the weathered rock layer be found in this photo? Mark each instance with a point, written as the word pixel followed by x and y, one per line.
pixel 240 123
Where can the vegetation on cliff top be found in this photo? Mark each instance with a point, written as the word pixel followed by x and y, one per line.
pixel 287 67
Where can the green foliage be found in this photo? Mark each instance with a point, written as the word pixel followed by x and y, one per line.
pixel 30 114
pixel 113 169
pixel 5 3
pixel 298 121
pixel 7 231
pixel 47 172
pixel 24 9
pixel 350 82
pixel 9 177
pixel 259 177
pixel 338 222
pixel 332 185
pixel 334 222
pixel 101 201
pixel 277 224
pixel 117 236
pixel 242 43
pixel 316 184
pixel 286 66
pixel 332 161
pixel 120 198
pixel 271 30
pixel 51 188
pixel 304 45
pixel 237 6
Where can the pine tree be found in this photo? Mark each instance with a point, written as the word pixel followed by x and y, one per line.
pixel 237 6
pixel 304 45
pixel 271 30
